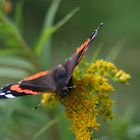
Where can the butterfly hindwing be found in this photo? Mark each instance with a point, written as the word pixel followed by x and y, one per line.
pixel 38 83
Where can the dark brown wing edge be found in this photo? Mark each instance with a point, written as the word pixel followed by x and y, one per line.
pixel 72 62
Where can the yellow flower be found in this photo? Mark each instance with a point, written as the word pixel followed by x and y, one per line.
pixel 48 99
pixel 91 98
pixel 105 68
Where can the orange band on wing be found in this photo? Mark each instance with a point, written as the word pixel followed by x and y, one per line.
pixel 82 46
pixel 37 75
pixel 18 89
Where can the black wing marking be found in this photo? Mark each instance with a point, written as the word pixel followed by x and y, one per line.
pixel 6 92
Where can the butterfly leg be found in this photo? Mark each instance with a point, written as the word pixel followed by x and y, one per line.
pixel 36 107
pixel 71 88
pixel 65 91
pixel 62 93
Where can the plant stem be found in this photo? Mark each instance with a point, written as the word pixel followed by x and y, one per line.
pixel 53 131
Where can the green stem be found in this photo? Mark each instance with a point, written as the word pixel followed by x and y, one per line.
pixel 53 131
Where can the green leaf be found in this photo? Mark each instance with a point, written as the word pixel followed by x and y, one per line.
pixel 17 63
pixel 45 46
pixel 134 132
pixel 68 132
pixel 1 5
pixel 12 73
pixel 18 14
pixel 115 51
pixel 11 37
pixel 9 29
pixel 9 51
pixel 50 16
pixel 66 18
pixel 7 112
pixel 47 33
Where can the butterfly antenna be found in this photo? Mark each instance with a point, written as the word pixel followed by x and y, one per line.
pixel 93 35
pixel 36 107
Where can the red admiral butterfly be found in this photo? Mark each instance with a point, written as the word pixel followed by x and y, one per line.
pixel 57 80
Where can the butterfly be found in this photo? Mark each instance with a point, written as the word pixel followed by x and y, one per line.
pixel 57 80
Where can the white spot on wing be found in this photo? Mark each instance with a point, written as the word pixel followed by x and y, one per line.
pixel 7 85
pixel 59 65
pixel 2 93
pixel 10 96
pixel 8 91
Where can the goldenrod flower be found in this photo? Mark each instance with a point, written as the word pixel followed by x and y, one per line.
pixel 48 99
pixel 91 98
pixel 104 68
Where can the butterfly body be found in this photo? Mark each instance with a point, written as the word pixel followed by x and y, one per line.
pixel 57 80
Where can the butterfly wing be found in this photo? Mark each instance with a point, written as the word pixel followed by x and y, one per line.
pixel 35 84
pixel 48 81
pixel 72 62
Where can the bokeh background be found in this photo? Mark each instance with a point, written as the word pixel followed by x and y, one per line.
pixel 119 38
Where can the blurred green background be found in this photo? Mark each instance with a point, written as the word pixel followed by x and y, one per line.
pixel 120 43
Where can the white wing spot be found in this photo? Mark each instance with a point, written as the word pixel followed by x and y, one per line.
pixel 10 96
pixel 7 85
pixel 8 91
pixel 59 65
pixel 2 93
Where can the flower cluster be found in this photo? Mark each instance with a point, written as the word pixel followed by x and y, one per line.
pixel 48 99
pixel 91 97
pixel 108 69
